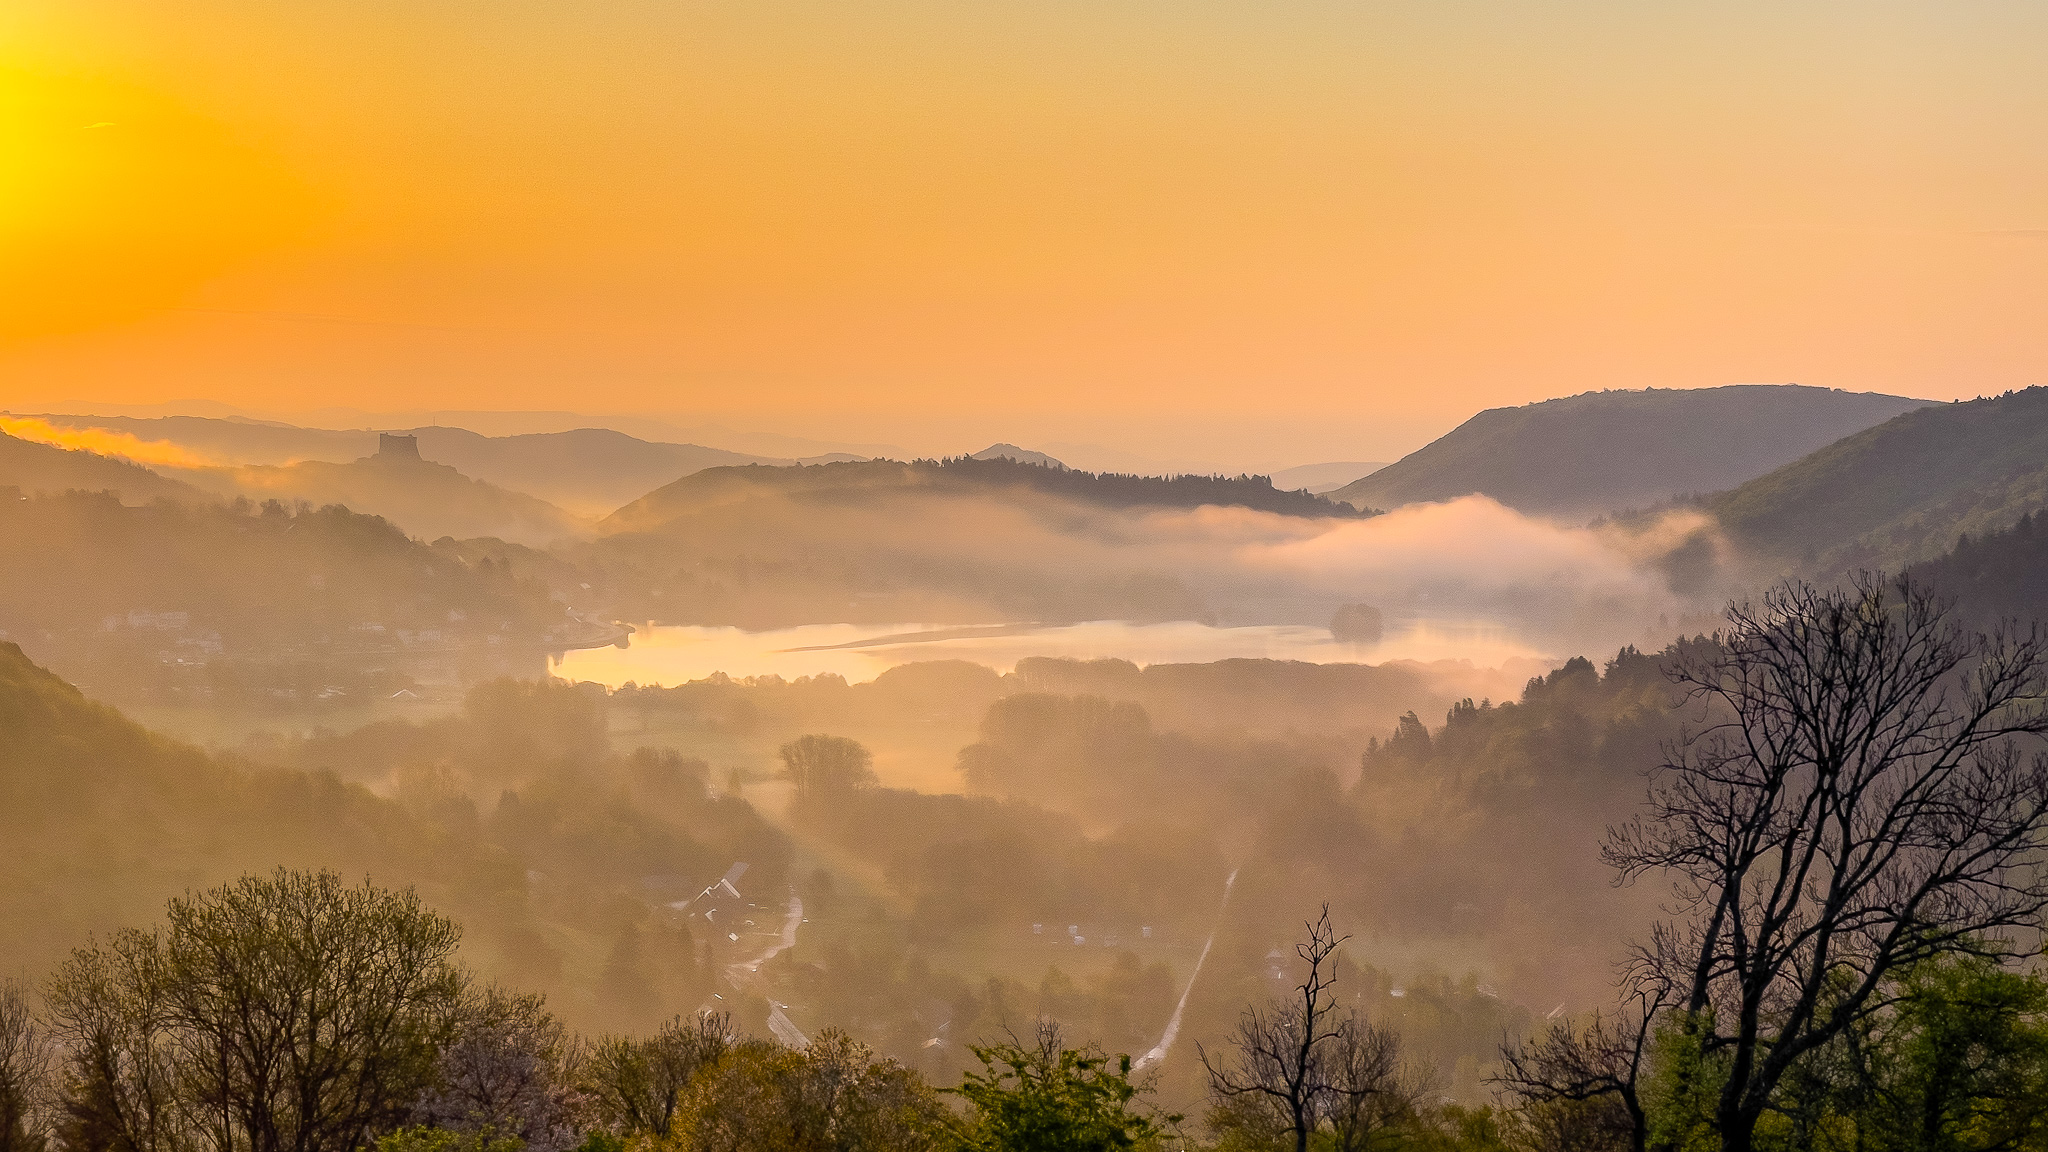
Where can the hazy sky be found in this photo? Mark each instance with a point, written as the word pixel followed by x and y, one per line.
pixel 1262 232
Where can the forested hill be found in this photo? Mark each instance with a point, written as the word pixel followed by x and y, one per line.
pixel 1901 492
pixel 852 481
pixel 1583 455
pixel 33 467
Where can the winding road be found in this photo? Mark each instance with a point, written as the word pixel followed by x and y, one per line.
pixel 1159 1050
pixel 744 973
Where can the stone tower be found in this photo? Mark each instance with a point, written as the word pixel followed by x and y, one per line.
pixel 395 446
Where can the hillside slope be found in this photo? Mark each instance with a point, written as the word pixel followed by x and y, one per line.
pixel 1583 455
pixel 34 467
pixel 1900 492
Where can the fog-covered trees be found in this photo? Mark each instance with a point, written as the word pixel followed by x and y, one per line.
pixel 826 767
pixel 1865 794
pixel 285 1013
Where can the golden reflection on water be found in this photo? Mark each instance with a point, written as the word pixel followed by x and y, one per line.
pixel 672 654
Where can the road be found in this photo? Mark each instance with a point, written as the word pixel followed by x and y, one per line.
pixel 744 974
pixel 1166 1040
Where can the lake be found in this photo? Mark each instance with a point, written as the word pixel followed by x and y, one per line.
pixel 673 654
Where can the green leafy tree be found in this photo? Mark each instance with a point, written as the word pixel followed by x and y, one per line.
pixel 426 1138
pixel 637 1087
pixel 1963 1064
pixel 282 1013
pixel 834 1095
pixel 1047 1096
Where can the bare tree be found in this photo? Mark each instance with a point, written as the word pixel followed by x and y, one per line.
pixel 1580 1080
pixel 1857 800
pixel 25 1067
pixel 1287 1052
pixel 1373 1092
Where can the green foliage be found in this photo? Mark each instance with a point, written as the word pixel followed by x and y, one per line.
pixel 1685 1081
pixel 1048 1096
pixel 287 1012
pixel 638 1086
pixel 834 1095
pixel 427 1139
pixel 1963 1064
pixel 600 1140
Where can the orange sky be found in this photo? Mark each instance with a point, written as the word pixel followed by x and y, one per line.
pixel 1257 233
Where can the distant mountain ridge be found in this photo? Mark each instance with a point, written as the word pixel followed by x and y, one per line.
pixel 1597 452
pixel 1900 492
pixel 586 470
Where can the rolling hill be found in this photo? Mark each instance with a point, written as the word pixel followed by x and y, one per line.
pixel 1900 492
pixel 1584 455
pixel 992 478
pixel 232 601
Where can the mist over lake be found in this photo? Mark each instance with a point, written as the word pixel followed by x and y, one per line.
pixel 668 655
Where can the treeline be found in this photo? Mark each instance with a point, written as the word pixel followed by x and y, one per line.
pixel 296 1012
pixel 1124 490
